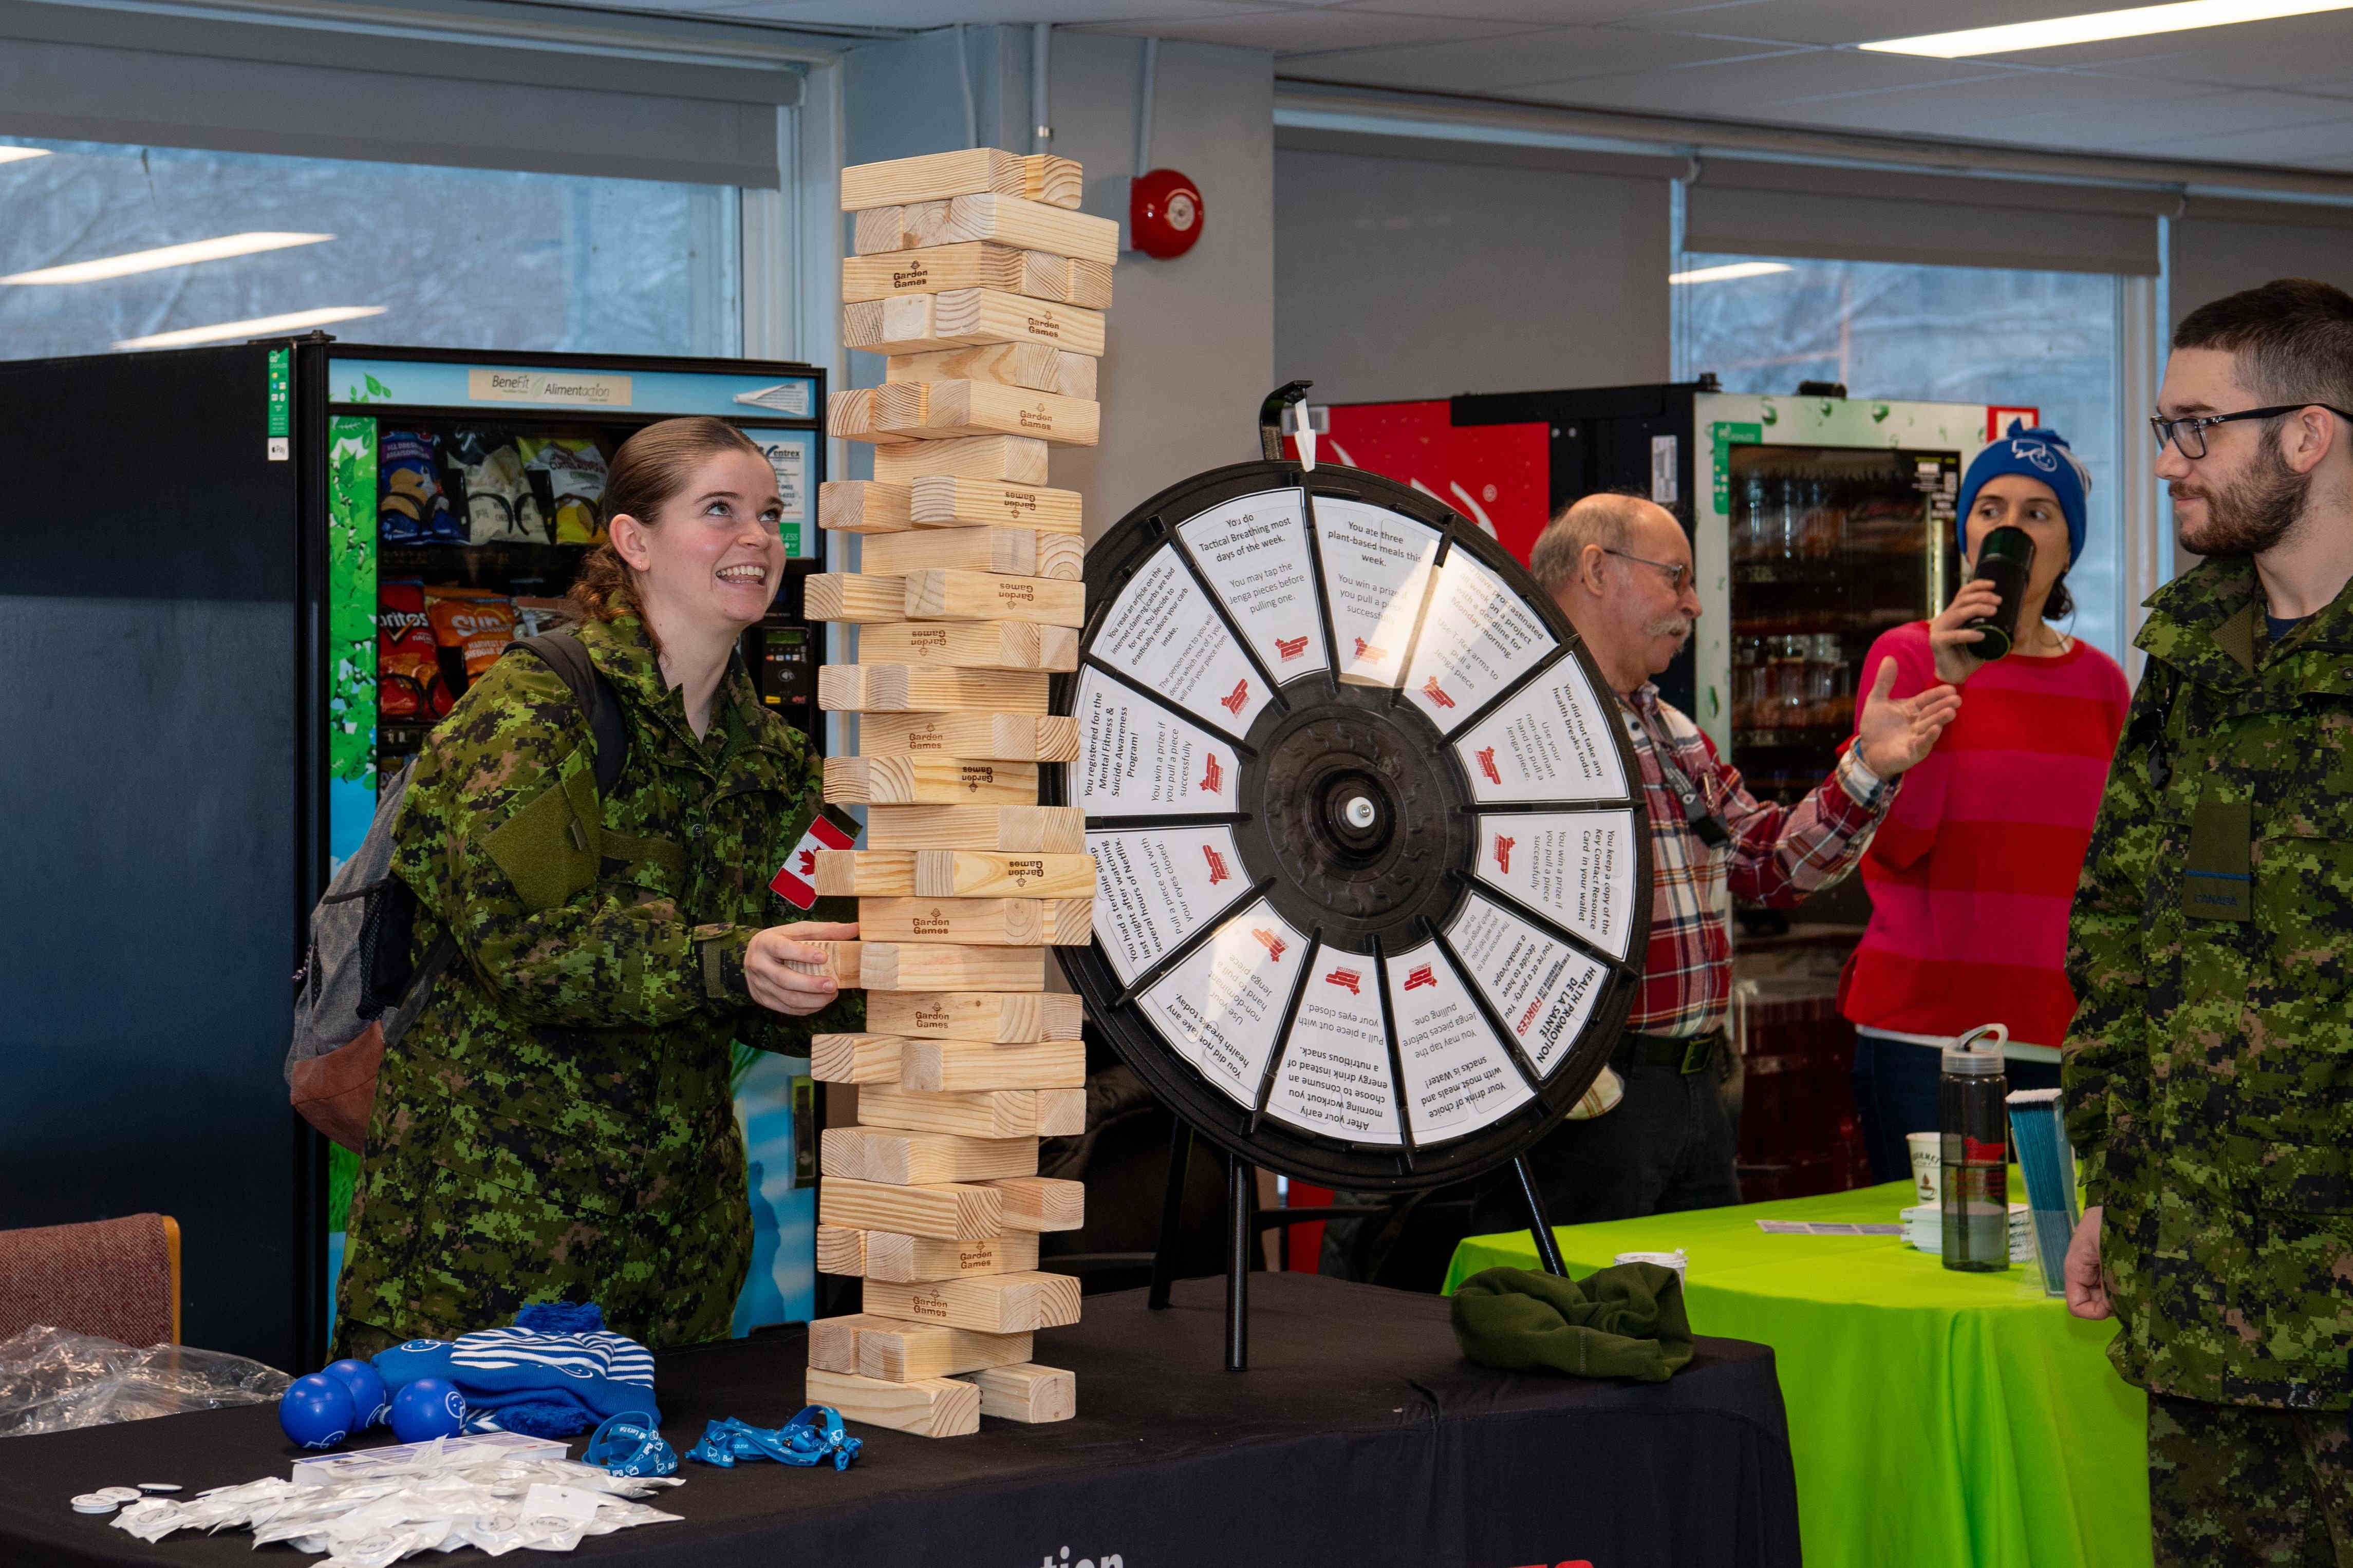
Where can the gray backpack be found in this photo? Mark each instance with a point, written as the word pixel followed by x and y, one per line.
pixel 358 990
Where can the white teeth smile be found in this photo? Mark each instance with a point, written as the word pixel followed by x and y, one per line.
pixel 743 573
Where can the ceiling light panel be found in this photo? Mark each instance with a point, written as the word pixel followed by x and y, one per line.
pixel 1728 271
pixel 258 327
pixel 156 260
pixel 2093 26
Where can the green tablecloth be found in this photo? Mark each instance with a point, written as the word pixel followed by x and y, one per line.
pixel 1935 1417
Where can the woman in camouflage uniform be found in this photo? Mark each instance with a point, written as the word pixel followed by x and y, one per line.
pixel 557 1124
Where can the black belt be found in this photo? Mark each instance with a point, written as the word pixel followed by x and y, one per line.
pixel 1687 1054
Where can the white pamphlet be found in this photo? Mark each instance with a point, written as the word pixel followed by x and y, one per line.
pixel 1155 887
pixel 1376 567
pixel 1137 759
pixel 1459 1077
pixel 1477 638
pixel 1541 988
pixel 1221 1007
pixel 1253 551
pixel 1334 1077
pixel 1164 632
pixel 1551 742
pixel 1576 865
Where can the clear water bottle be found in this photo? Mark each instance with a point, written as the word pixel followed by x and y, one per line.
pixel 1972 1105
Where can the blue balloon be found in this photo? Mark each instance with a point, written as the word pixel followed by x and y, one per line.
pixel 316 1411
pixel 368 1401
pixel 428 1408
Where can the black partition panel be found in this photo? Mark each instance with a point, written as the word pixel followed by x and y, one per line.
pixel 158 809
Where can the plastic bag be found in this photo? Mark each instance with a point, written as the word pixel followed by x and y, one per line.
pixel 54 1381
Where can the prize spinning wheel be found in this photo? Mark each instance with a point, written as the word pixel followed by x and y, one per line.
pixel 1373 875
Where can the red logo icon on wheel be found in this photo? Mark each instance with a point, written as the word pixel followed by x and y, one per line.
pixel 1503 854
pixel 1218 872
pixel 1344 977
pixel 1373 655
pixel 1271 942
pixel 1214 777
pixel 1420 976
pixel 1437 694
pixel 1487 765
pixel 1290 648
pixel 1233 700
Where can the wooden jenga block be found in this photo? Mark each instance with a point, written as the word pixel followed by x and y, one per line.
pixel 971 645
pixel 929 689
pixel 833 1342
pixel 909 1259
pixel 928 781
pixel 1036 177
pixel 979 874
pixel 841 1250
pixel 952 1211
pixel 1000 218
pixel 984 922
pixel 988 1303
pixel 1033 365
pixel 976 263
pixel 949 595
pixel 1024 1391
pixel 1012 551
pixel 902 1158
pixel 999 737
pixel 840 962
pixel 1013 459
pixel 897 1351
pixel 1042 1202
pixel 1038 829
pixel 945 966
pixel 864 873
pixel 850 417
pixel 989 1113
pixel 984 1016
pixel 968 318
pixel 855 1059
pixel 930 1407
pixel 948 1066
pixel 860 506
pixel 853 596
pixel 952 410
pixel 941 500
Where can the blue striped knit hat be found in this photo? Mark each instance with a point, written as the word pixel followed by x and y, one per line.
pixel 557 1371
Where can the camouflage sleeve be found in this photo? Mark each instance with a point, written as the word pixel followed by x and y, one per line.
pixel 497 840
pixel 2105 1052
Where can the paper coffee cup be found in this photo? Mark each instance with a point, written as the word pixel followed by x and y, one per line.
pixel 1927 1164
pixel 1675 1260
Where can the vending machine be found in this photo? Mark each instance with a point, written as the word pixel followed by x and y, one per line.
pixel 246 582
pixel 1816 522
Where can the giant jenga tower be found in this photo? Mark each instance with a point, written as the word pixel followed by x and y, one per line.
pixel 986 291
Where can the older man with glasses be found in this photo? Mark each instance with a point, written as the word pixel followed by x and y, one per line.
pixel 2209 1071
pixel 1653 1137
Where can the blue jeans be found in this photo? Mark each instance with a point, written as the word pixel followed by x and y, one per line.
pixel 1895 1091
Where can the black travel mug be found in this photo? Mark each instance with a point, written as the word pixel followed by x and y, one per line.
pixel 2006 560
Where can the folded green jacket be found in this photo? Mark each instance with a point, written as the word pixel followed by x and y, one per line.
pixel 1626 1322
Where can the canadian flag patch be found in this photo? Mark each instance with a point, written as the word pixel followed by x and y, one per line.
pixel 796 880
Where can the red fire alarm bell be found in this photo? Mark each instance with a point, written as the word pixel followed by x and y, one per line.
pixel 1163 213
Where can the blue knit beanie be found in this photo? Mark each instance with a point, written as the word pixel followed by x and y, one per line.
pixel 2038 454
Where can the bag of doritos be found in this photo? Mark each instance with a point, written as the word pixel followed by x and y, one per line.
pixel 408 674
pixel 411 507
pixel 567 474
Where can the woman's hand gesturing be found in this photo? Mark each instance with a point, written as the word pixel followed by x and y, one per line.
pixel 770 960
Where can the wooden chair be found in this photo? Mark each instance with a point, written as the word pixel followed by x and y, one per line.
pixel 118 1278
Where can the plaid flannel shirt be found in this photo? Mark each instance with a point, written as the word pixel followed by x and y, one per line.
pixel 1777 856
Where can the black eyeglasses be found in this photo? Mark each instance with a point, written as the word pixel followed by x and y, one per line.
pixel 1677 575
pixel 2189 434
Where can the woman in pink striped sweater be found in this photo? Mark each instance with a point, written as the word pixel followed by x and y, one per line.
pixel 1972 873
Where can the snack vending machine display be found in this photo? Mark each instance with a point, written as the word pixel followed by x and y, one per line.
pixel 247 581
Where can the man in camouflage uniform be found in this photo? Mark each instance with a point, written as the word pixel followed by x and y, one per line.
pixel 558 1124
pixel 2209 1068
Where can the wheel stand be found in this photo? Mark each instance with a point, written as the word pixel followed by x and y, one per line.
pixel 1245 1221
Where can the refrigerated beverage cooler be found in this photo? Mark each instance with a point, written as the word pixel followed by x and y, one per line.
pixel 244 584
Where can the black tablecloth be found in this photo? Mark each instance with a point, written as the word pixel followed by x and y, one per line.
pixel 1360 1436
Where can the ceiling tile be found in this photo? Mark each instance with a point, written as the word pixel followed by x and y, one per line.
pixel 2321 144
pixel 2308 54
pixel 1535 13
pixel 1503 65
pixel 1315 31
pixel 1141 13
pixel 1767 86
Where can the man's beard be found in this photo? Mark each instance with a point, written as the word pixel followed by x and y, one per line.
pixel 1676 626
pixel 2249 515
